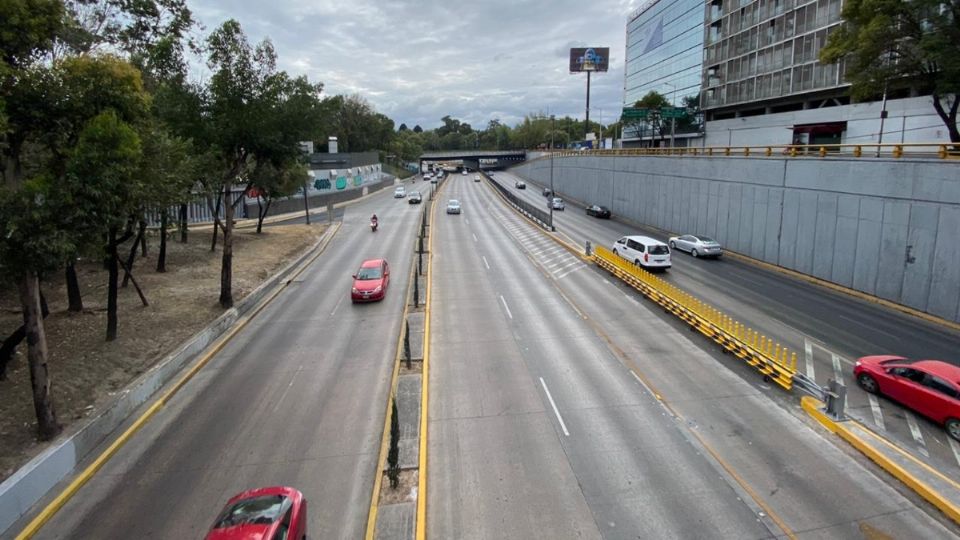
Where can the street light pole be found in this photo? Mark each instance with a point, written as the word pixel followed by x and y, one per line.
pixel 552 193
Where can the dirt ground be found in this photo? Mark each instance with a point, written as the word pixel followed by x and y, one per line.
pixel 85 370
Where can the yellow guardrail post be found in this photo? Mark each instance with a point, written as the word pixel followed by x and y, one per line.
pixel 898 150
pixel 942 151
pixel 823 151
pixel 857 151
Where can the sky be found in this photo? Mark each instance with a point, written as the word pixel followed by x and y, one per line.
pixel 417 61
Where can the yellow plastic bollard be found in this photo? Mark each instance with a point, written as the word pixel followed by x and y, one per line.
pixel 793 151
pixel 746 151
pixel 793 362
pixel 942 151
pixel 898 151
pixel 857 151
pixel 769 152
pixel 726 151
pixel 823 151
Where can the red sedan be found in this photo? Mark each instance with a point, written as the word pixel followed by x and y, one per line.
pixel 930 387
pixel 262 514
pixel 371 281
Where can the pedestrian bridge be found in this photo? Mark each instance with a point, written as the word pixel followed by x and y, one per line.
pixel 477 159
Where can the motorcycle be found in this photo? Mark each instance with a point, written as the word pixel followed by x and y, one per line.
pixel 373 225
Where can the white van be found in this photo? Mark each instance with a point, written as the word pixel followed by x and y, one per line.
pixel 649 253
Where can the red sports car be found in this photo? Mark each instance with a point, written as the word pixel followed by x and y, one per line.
pixel 371 281
pixel 930 387
pixel 262 514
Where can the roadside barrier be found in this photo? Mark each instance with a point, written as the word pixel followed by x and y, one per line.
pixel 933 150
pixel 774 362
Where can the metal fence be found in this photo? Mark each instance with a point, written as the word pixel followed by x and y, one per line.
pixel 539 215
pixel 198 210
pixel 898 151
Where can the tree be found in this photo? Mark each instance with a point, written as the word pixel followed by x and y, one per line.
pixel 270 181
pixel 417 129
pixel 256 114
pixel 895 43
pixel 402 128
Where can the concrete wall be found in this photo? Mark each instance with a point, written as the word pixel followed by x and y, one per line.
pixel 885 227
pixel 908 120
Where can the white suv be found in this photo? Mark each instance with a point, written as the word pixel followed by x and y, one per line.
pixel 646 252
pixel 400 192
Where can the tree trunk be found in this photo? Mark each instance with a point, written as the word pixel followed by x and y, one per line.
pixel 949 117
pixel 142 234
pixel 133 253
pixel 112 284
pixel 162 256
pixel 127 274
pixel 10 344
pixel 183 223
pixel 216 222
pixel 47 427
pixel 226 267
pixel 73 288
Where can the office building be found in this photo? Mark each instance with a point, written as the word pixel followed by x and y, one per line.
pixel 664 54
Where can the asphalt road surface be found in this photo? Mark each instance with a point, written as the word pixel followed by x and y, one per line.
pixel 827 329
pixel 563 406
pixel 297 398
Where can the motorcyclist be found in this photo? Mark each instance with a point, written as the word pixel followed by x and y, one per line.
pixel 373 222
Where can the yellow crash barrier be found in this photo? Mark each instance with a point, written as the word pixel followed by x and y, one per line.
pixel 773 361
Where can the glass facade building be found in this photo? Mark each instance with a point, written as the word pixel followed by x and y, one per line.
pixel 764 52
pixel 664 50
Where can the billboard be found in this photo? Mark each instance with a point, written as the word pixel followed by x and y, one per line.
pixel 589 59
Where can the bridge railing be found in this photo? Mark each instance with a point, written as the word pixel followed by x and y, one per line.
pixel 861 150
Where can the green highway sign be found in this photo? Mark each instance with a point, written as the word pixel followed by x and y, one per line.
pixel 673 112
pixel 635 113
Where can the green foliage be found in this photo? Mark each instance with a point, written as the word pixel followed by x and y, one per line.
pixel 29 238
pixel 653 100
pixel 28 30
pixel 893 43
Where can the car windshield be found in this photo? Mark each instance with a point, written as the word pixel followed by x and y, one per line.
pixel 369 273
pixel 659 249
pixel 256 510
pixel 453 203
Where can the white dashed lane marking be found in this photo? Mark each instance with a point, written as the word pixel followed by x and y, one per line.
pixel 877 413
pixel 917 435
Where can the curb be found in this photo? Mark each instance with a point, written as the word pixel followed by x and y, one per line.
pixel 924 489
pixel 22 490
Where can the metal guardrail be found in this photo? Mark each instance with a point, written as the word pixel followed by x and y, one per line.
pixel 539 215
pixel 894 150
pixel 774 362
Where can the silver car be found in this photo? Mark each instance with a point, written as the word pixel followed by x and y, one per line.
pixel 556 203
pixel 696 245
pixel 453 206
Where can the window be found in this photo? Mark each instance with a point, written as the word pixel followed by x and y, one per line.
pixel 941 386
pixel 908 373
pixel 659 249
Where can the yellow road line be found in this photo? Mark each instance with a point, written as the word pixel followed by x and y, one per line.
pixel 51 509
pixel 421 522
pixel 387 417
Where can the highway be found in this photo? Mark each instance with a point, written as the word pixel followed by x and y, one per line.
pixel 297 398
pixel 564 406
pixel 827 329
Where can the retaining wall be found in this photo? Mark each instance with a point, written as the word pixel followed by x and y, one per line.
pixel 885 227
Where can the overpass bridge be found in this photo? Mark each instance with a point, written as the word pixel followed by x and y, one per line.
pixel 491 159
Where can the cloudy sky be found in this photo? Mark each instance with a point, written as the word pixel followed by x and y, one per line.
pixel 419 60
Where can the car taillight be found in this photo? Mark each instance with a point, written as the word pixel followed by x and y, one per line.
pixel 646 257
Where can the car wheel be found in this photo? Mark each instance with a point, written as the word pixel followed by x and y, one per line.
pixel 636 262
pixel 694 252
pixel 953 428
pixel 615 254
pixel 868 383
pixel 673 245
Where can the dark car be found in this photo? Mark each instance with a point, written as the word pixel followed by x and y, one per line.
pixel 598 211
pixel 266 513
pixel 930 387
pixel 414 197
pixel 520 184
pixel 547 192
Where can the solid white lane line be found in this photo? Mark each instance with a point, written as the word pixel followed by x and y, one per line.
pixel 554 405
pixel 485 263
pixel 808 356
pixel 630 298
pixel 955 446
pixel 837 369
pixel 287 389
pixel 467 220
pixel 877 413
pixel 337 306
pixel 475 238
pixel 502 299
pixel 915 431
pixel 607 281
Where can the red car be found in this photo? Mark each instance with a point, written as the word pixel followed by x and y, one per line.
pixel 263 514
pixel 930 387
pixel 371 281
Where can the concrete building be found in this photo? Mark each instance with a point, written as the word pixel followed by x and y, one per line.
pixel 664 54
pixel 763 82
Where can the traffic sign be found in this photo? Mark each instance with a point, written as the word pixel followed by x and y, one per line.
pixel 635 113
pixel 673 112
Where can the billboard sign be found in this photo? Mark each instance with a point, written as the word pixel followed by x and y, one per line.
pixel 589 59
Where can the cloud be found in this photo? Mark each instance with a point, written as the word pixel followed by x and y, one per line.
pixel 419 60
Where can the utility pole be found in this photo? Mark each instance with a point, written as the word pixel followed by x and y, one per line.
pixel 588 110
pixel 552 193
